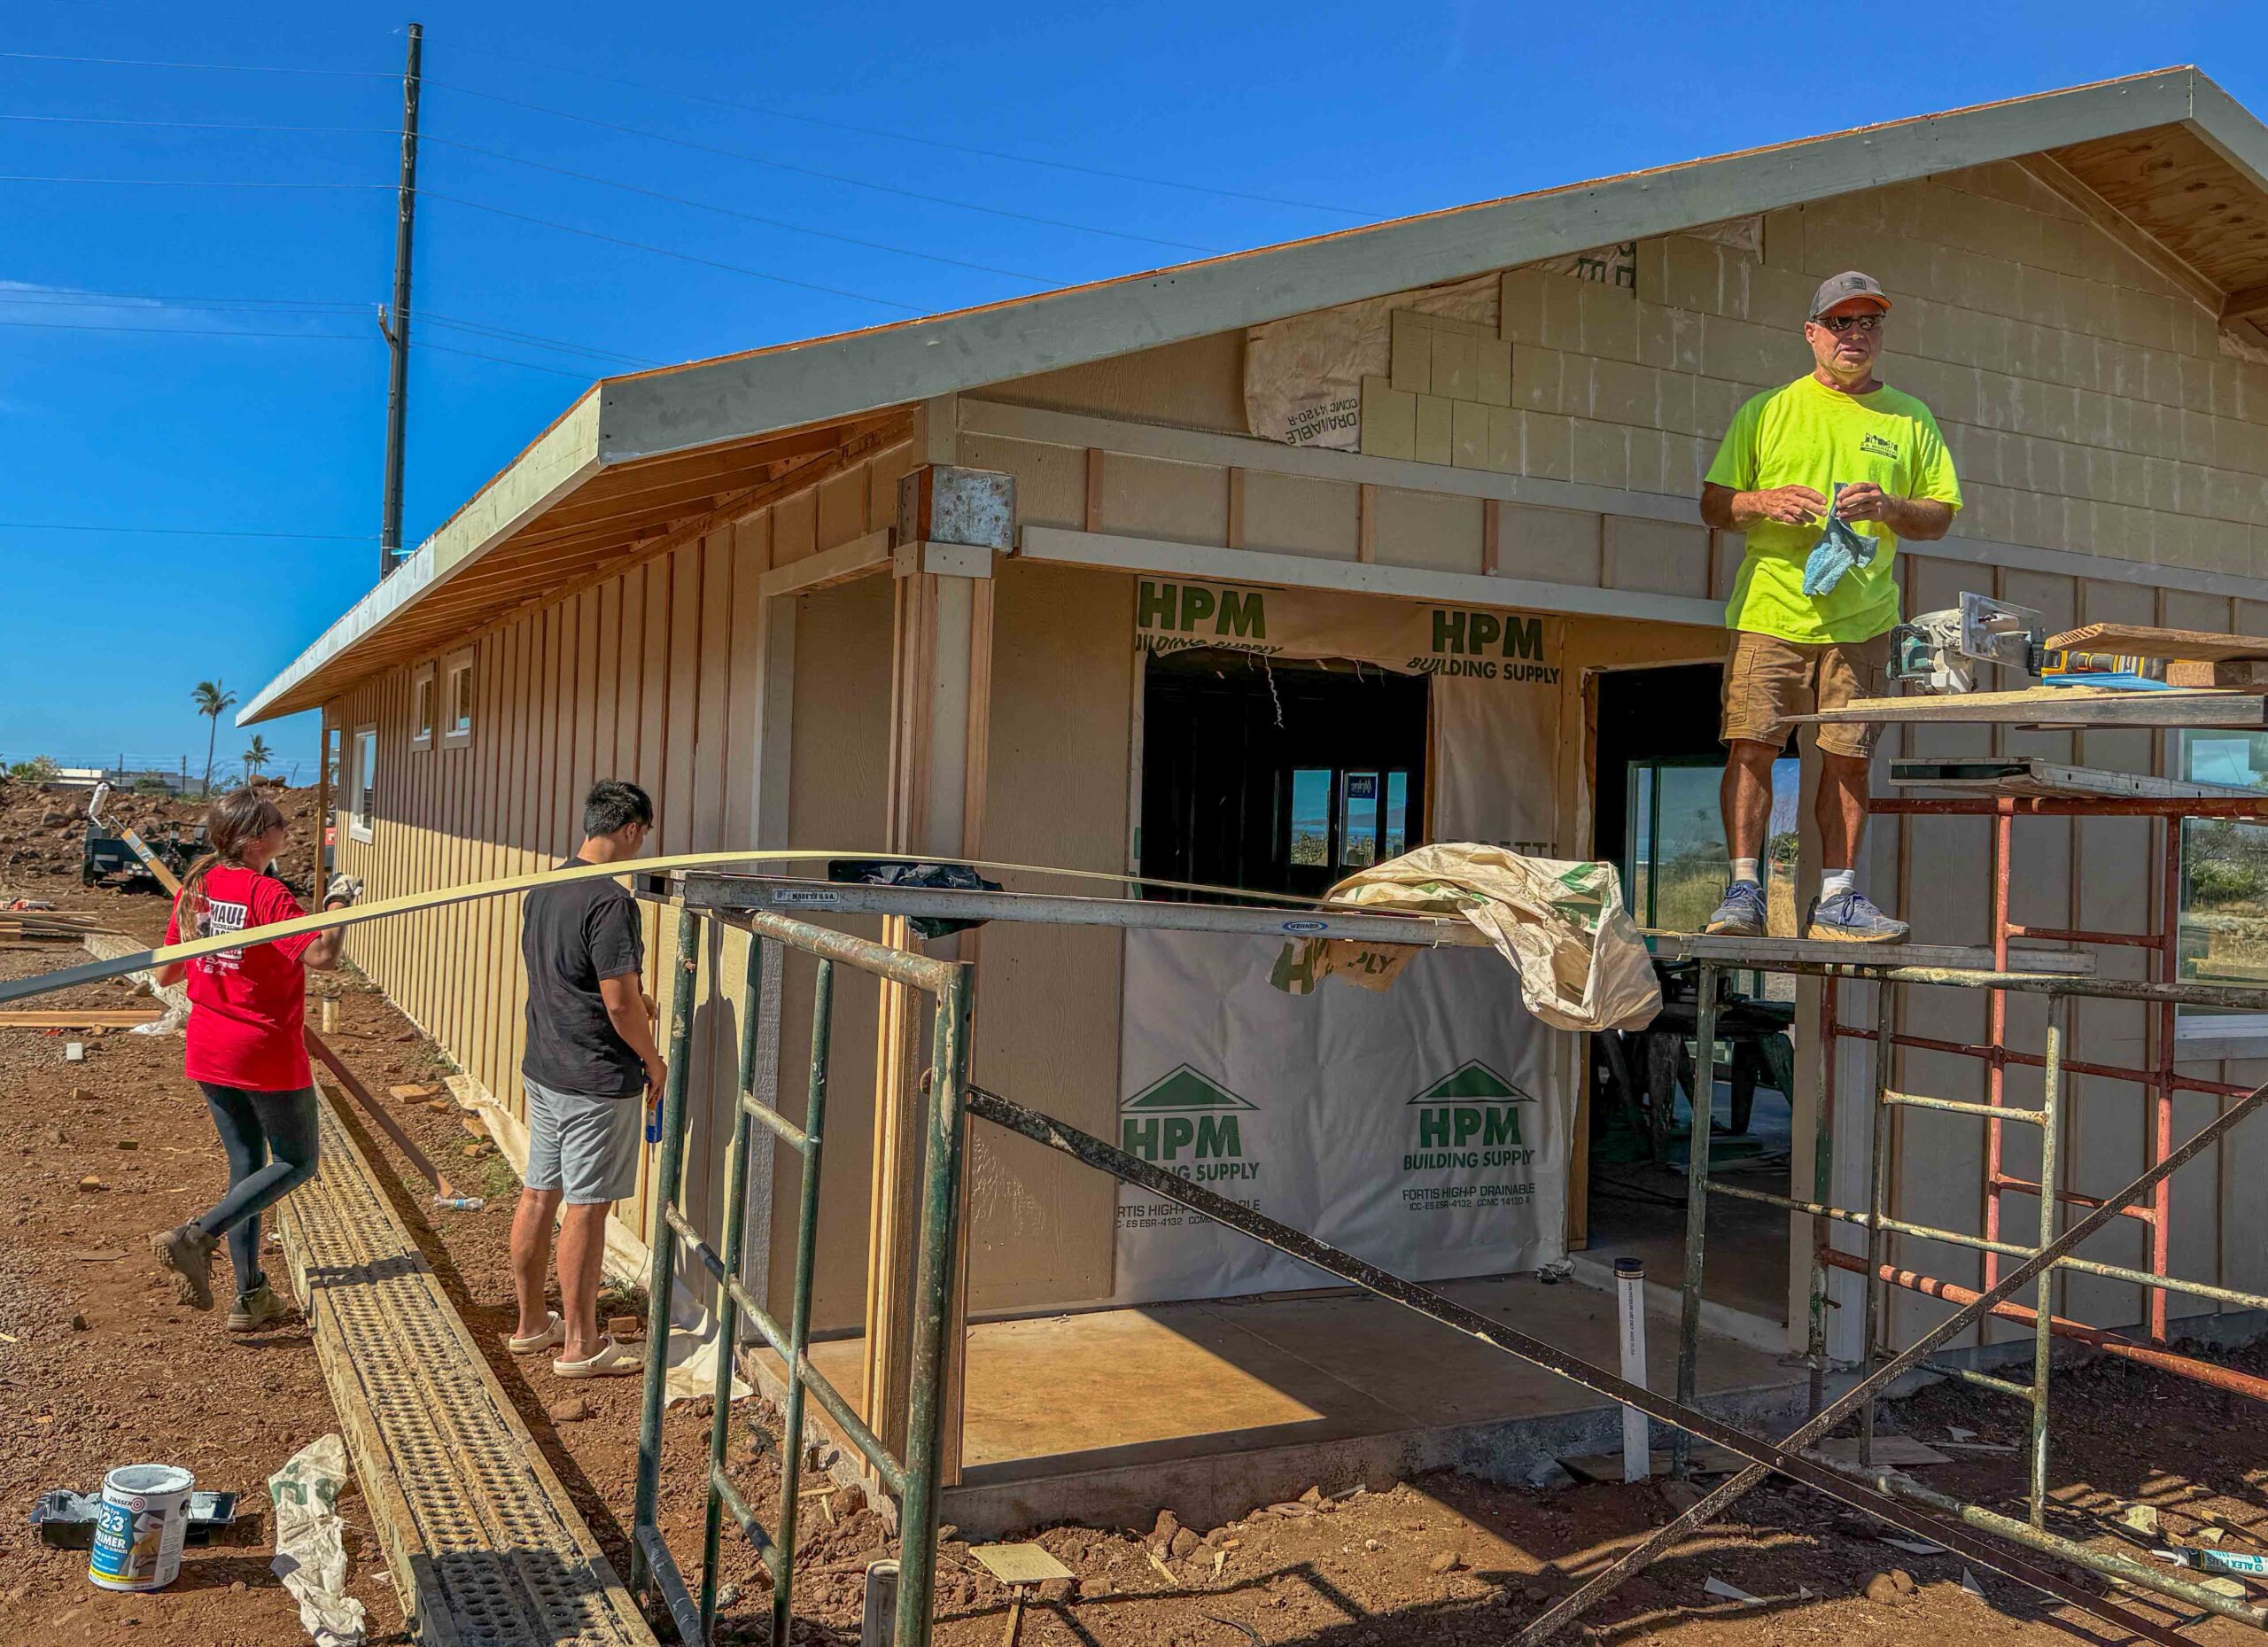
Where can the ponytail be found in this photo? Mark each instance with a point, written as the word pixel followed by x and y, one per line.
pixel 231 823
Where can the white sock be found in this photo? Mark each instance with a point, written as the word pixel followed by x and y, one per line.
pixel 1836 881
pixel 1744 869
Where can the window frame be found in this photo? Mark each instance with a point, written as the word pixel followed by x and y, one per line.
pixel 457 665
pixel 424 706
pixel 361 820
pixel 2202 1033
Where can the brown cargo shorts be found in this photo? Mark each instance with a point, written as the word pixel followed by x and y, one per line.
pixel 1767 680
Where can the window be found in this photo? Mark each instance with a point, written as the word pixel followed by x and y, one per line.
pixel 1278 776
pixel 365 782
pixel 2224 934
pixel 456 700
pixel 422 708
pixel 1673 856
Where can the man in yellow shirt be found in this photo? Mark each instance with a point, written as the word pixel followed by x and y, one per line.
pixel 1825 476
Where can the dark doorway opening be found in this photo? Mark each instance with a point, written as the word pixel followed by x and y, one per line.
pixel 1657 817
pixel 1275 776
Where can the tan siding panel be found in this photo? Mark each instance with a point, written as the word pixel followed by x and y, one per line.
pixel 1046 1026
pixel 839 766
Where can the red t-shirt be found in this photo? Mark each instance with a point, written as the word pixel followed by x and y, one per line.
pixel 247 1006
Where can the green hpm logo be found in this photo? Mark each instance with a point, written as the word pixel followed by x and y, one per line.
pixel 1190 1125
pixel 1490 646
pixel 1192 608
pixel 1469 1117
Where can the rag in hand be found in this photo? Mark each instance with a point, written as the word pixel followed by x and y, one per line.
pixel 1839 548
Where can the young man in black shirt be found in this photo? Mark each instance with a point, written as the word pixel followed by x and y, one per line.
pixel 590 1055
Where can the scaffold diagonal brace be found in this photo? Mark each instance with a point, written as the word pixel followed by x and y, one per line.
pixel 1767 1457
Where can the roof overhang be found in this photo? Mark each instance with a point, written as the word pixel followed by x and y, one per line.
pixel 2110 145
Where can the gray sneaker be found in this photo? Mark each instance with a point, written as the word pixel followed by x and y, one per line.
pixel 261 1307
pixel 1850 918
pixel 1742 914
pixel 186 1251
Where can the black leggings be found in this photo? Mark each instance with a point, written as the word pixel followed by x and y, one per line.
pixel 252 1126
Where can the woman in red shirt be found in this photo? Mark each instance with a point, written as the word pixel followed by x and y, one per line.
pixel 246 1047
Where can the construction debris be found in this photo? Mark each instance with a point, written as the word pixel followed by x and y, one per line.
pixel 310 1545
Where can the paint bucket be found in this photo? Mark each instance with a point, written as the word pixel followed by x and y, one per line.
pixel 139 1529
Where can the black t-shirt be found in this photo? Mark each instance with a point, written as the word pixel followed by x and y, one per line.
pixel 571 936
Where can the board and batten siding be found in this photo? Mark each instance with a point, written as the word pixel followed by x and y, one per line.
pixel 648 674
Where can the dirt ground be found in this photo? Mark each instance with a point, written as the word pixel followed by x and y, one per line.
pixel 99 1366
pixel 1440 1559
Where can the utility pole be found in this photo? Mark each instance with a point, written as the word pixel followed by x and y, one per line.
pixel 395 322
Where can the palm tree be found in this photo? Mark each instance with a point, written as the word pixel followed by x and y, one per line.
pixel 258 756
pixel 211 698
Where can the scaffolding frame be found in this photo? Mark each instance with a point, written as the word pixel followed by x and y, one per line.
pixel 2037 1263
pixel 913 1478
pixel 2006 1542
pixel 2159 1079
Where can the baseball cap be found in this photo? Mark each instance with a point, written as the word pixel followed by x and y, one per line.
pixel 1842 288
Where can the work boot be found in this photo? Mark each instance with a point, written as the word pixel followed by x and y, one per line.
pixel 255 1309
pixel 1742 914
pixel 1852 918
pixel 186 1251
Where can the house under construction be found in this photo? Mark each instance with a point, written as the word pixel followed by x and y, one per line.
pixel 1292 560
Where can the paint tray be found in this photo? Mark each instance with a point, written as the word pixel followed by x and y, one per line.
pixel 66 1519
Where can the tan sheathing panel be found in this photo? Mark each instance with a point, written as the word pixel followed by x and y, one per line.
pixel 1048 997
pixel 1294 516
pixel 1197 384
pixel 839 764
pixel 1051 480
pixel 1146 497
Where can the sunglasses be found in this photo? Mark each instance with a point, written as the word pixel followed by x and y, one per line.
pixel 1839 323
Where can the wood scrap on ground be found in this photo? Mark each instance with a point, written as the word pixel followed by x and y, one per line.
pixel 80 1018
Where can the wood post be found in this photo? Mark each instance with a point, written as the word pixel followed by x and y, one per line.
pixel 940 719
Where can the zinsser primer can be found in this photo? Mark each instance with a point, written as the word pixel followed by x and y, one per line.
pixel 140 1528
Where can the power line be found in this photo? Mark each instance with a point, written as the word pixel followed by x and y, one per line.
pixel 503 334
pixel 687 257
pixel 105 120
pixel 635 132
pixel 805 171
pixel 359 74
pixel 78 299
pixel 474 354
pixel 181 182
pixel 479 206
pixel 726 211
pixel 182 332
pixel 901 136
pixel 189 531
pixel 291 337
pixel 228 68
pixel 72 296
pixel 515 159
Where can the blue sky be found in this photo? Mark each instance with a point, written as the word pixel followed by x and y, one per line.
pixel 129 398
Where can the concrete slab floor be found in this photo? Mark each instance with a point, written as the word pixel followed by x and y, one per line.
pixel 1178 1381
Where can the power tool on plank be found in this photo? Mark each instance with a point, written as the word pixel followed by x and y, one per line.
pixel 1938 652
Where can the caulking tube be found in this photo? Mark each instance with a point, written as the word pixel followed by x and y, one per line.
pixel 2218 1561
pixel 1630 1290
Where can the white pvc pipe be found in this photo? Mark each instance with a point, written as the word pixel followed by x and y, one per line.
pixel 1630 1291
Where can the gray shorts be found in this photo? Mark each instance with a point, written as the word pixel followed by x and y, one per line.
pixel 588 1146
